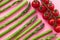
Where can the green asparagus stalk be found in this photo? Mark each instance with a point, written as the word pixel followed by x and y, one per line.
pixel 14 10
pixel 0 0
pixel 9 6
pixel 18 23
pixel 5 2
pixel 49 37
pixel 34 25
pixel 18 0
pixel 41 35
pixel 21 29
pixel 37 29
pixel 21 14
pixel 58 39
pixel 5 8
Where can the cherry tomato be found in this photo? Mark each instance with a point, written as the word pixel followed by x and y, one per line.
pixel 58 20
pixel 51 21
pixel 46 15
pixel 57 29
pixel 56 12
pixel 58 24
pixel 45 1
pixel 51 6
pixel 42 9
pixel 35 4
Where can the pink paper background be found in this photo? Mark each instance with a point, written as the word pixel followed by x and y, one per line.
pixel 47 26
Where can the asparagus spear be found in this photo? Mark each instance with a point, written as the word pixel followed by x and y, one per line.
pixel 49 37
pixel 5 8
pixel 21 14
pixel 18 0
pixel 14 10
pixel 18 23
pixel 9 6
pixel 58 39
pixel 43 34
pixel 36 30
pixel 34 25
pixel 0 0
pixel 21 29
pixel 5 2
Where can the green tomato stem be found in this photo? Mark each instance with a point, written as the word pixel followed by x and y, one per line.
pixel 14 10
pixel 34 32
pixel 43 34
pixel 21 29
pixel 29 29
pixel 5 2
pixel 21 14
pixel 18 23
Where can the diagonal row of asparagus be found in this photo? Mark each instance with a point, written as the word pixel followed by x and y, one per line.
pixel 14 10
pixel 29 29
pixel 41 35
pixel 34 32
pixel 49 37
pixel 21 29
pixel 10 6
pixel 21 14
pixel 18 23
pixel 5 2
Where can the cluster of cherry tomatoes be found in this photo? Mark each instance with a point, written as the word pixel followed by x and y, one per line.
pixel 49 13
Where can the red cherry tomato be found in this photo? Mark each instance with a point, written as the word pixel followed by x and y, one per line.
pixel 42 9
pixel 51 6
pixel 55 12
pixel 35 4
pixel 46 15
pixel 58 21
pixel 51 21
pixel 45 1
pixel 57 29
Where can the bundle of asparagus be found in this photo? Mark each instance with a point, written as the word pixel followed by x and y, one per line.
pixel 21 29
pixel 18 23
pixel 21 14
pixel 10 5
pixel 14 10
pixel 35 31
pixel 34 25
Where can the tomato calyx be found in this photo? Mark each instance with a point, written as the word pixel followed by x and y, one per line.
pixel 42 9
pixel 51 6
pixel 56 13
pixel 46 15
